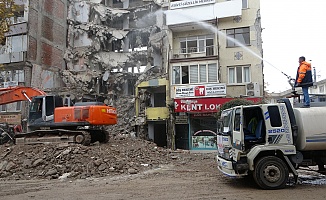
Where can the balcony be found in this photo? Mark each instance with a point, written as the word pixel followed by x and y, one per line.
pixel 14 50
pixel 194 53
pixel 157 113
pixel 12 57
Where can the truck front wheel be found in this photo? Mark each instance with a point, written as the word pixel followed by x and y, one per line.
pixel 271 173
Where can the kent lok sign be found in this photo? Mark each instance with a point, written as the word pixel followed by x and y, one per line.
pixel 188 3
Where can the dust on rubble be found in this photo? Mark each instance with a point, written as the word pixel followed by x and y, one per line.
pixel 121 155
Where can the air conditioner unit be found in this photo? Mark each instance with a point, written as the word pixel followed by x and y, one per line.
pixel 253 89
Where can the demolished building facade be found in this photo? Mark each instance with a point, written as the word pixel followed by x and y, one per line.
pixel 112 47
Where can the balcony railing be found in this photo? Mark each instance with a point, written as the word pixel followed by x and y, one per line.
pixel 194 52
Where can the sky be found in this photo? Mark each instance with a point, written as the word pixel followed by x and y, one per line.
pixel 292 28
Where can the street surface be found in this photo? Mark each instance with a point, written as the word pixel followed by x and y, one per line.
pixel 191 176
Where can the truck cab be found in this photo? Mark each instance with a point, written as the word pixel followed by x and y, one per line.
pixel 253 132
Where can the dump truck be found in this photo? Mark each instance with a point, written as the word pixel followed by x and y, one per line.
pixel 271 141
pixel 53 119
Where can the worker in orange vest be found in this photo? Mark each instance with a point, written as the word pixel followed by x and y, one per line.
pixel 304 79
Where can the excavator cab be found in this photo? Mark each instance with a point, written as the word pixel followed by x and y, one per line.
pixel 41 112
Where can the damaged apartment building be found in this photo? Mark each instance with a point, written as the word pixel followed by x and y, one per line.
pixel 114 46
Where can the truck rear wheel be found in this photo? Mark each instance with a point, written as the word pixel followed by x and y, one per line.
pixel 271 173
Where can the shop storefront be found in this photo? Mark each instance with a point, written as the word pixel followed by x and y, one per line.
pixel 196 107
pixel 202 131
pixel 201 120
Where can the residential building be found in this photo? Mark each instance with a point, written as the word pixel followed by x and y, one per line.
pixel 215 56
pixel 32 52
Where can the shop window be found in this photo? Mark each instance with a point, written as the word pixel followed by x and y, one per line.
pixel 203 131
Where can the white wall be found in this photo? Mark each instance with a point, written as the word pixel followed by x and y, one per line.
pixel 204 12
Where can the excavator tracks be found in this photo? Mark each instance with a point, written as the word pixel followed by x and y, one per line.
pixel 55 136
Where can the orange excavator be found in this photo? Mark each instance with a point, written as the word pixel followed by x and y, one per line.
pixel 51 120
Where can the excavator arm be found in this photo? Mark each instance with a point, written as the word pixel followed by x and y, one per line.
pixel 18 93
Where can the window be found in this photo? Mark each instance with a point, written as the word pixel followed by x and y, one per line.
pixel 20 15
pixel 239 74
pixel 19 106
pixel 321 89
pixel 237 120
pixel 244 4
pixel 197 44
pixel 16 43
pixel 275 117
pixel 3 108
pixel 11 107
pixel 185 75
pixel 199 73
pixel 238 36
pixel 16 76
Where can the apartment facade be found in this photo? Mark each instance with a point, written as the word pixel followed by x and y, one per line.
pixel 32 52
pixel 215 56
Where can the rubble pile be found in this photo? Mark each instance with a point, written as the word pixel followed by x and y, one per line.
pixel 121 155
pixel 125 111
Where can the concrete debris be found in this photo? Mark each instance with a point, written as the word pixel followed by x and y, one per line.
pixel 106 13
pixel 121 155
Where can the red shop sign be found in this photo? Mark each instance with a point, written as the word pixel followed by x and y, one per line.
pixel 202 105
